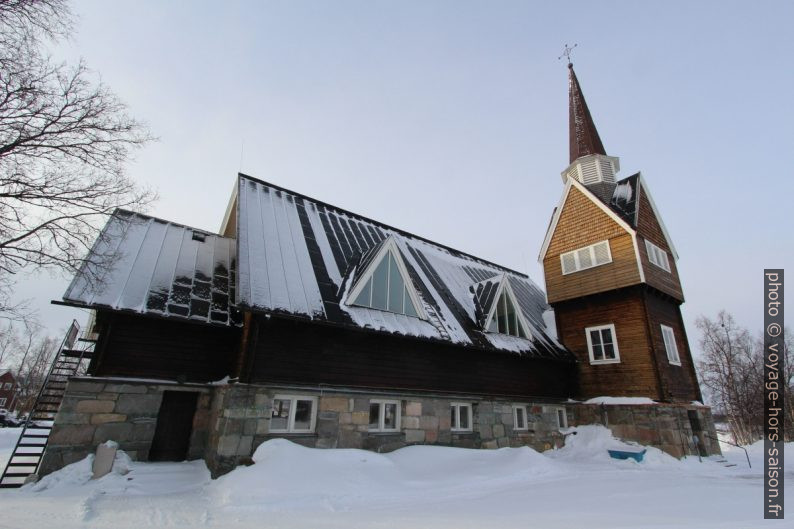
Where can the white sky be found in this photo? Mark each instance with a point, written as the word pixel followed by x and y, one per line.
pixel 449 119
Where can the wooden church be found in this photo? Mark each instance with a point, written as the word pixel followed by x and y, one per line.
pixel 301 320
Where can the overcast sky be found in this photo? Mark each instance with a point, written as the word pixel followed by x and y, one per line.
pixel 449 119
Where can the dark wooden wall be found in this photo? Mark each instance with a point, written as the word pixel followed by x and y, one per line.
pixel 149 347
pixel 644 370
pixel 295 352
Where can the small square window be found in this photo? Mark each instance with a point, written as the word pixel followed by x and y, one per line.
pixel 293 414
pixel 602 344
pixel 520 417
pixel 384 416
pixel 7 385
pixel 460 417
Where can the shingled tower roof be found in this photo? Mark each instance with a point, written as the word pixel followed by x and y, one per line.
pixel 583 134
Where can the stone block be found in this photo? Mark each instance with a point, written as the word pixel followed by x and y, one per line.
pixel 486 431
pixel 360 417
pixel 492 444
pixel 410 422
pixel 413 409
pixel 113 431
pixel 431 436
pixel 142 432
pixel 107 396
pixel 136 404
pixel 262 426
pixel 101 418
pixel 72 434
pixel 125 388
pixel 444 422
pixel 414 436
pixel 95 406
pixel 360 405
pixel 72 418
pixel 327 427
pixel 337 404
pixel 346 418
pixel 428 422
pixel 227 446
pixel 498 430
pixel 506 419
pixel 503 442
pixel 249 427
pixel 349 439
pixel 244 448
pixel 262 401
pixel 84 386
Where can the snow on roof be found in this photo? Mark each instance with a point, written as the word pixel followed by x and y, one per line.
pixel 147 265
pixel 297 256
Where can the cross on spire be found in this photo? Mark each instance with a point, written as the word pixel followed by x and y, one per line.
pixel 566 52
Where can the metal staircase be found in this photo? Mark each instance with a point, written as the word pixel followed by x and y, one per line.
pixel 29 450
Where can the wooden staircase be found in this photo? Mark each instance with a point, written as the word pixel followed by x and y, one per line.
pixel 29 450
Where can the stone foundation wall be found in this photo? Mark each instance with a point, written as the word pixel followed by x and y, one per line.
pixel 95 410
pixel 664 426
pixel 240 422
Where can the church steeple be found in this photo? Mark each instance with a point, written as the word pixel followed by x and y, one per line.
pixel 590 164
pixel 584 137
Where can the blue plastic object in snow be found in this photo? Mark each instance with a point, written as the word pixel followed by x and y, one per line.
pixel 626 454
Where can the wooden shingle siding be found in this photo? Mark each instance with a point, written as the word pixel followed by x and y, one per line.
pixel 295 352
pixel 169 349
pixel 583 223
pixel 648 227
pixel 636 374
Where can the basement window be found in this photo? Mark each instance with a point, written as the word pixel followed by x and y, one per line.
pixel 657 256
pixel 293 414
pixel 560 417
pixel 670 346
pixel 460 417
pixel 520 417
pixel 588 257
pixel 384 416
pixel 602 344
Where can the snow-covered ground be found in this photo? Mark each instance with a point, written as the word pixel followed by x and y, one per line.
pixel 417 487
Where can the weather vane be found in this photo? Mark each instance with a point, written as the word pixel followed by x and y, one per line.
pixel 566 52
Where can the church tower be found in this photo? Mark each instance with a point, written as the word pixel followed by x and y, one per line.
pixel 611 276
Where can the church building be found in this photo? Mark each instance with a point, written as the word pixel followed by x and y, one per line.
pixel 301 320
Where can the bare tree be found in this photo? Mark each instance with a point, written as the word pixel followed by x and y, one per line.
pixel 732 372
pixel 64 141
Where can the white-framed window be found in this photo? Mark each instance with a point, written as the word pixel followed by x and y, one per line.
pixel 520 417
pixel 560 415
pixel 7 385
pixel 384 415
pixel 602 344
pixel 506 315
pixel 460 415
pixel 385 285
pixel 293 414
pixel 657 256
pixel 2 402
pixel 588 257
pixel 670 346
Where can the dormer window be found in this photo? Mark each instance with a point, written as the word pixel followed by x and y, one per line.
pixel 498 308
pixel 384 284
pixel 505 317
pixel 657 256
pixel 588 257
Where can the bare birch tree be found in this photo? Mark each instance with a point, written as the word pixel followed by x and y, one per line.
pixel 64 141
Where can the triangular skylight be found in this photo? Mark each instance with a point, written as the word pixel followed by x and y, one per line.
pixel 384 283
pixel 504 313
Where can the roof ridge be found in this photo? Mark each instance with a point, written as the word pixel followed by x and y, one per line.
pixel 383 225
pixel 178 224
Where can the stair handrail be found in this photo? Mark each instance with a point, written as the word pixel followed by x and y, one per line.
pixel 732 444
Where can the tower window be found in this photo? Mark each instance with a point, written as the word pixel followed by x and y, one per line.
pixel 657 256
pixel 670 346
pixel 588 257
pixel 602 344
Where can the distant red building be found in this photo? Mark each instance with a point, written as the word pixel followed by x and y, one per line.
pixel 8 389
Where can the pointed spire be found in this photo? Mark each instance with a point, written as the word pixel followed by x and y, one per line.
pixel 583 134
